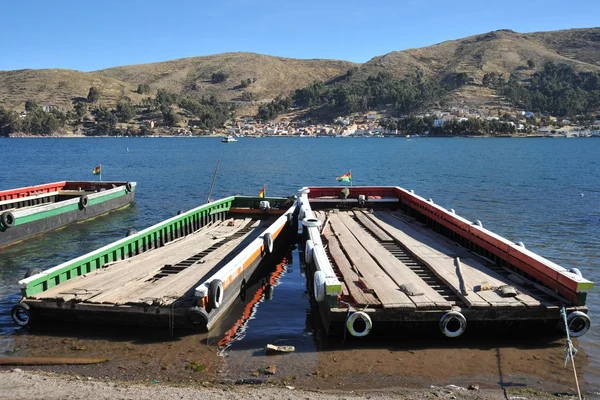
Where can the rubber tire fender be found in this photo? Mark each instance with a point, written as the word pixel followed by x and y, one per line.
pixel 215 294
pixel 129 186
pixel 309 249
pixel 32 271
pixel 268 243
pixel 24 308
pixel 352 319
pixel 7 219
pixel 131 232
pixel 84 201
pixel 319 288
pixel 578 315
pixel 197 316
pixel 445 320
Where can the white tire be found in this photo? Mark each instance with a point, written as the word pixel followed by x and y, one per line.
pixel 319 285
pixel 352 319
pixel 447 319
pixel 309 248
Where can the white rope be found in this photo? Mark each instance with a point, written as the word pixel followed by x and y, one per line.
pixel 571 350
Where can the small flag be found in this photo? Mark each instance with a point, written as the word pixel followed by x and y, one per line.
pixel 347 177
pixel 263 192
pixel 97 170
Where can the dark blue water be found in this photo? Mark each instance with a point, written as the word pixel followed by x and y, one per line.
pixel 544 192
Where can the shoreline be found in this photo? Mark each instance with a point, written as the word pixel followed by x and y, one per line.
pixel 32 384
pixel 289 137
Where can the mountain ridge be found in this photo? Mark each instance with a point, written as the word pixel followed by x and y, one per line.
pixel 253 78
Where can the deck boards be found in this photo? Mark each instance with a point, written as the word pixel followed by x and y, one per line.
pixel 440 257
pixel 479 270
pixel 400 273
pixel 127 281
pixel 384 287
pixel 355 286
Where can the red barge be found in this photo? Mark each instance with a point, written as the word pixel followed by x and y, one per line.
pixel 384 255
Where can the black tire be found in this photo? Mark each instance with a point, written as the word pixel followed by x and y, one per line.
pixel 129 186
pixel 197 316
pixel 179 212
pixel 84 201
pixel 130 232
pixel 268 243
pixel 32 271
pixel 215 294
pixel 7 219
pixel 21 314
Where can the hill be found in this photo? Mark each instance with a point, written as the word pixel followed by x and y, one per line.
pixel 269 76
pixel 502 52
pixel 58 87
pixel 249 79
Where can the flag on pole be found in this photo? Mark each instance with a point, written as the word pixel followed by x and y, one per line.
pixel 263 192
pixel 97 170
pixel 347 177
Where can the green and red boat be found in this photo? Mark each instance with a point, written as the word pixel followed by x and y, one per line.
pixel 32 210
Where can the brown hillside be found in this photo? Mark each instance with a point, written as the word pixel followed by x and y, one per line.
pixel 273 75
pixel 58 87
pixel 501 51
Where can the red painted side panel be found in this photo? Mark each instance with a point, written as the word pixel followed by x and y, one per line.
pixel 31 190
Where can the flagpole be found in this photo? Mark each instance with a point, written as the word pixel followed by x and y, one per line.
pixel 350 178
pixel 100 175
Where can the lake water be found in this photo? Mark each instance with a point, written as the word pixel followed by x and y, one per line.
pixel 544 192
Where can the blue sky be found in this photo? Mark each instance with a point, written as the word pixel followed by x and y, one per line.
pixel 94 34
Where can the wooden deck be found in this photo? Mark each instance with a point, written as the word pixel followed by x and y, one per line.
pixel 161 276
pixel 388 261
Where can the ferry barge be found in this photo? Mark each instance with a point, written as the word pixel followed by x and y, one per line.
pixel 184 272
pixel 386 256
pixel 32 210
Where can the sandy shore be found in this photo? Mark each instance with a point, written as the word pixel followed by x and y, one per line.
pixel 19 384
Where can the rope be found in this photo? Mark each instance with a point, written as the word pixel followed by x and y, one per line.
pixel 570 350
pixel 346 320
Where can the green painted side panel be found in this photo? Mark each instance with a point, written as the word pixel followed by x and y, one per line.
pixel 45 214
pixel 67 208
pixel 123 248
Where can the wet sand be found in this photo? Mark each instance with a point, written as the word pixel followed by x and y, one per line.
pixel 138 357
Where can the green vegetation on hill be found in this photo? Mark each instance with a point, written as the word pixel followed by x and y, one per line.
pixel 558 89
pixel 405 95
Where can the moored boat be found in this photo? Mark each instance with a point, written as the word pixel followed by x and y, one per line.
pixel 29 211
pixel 386 257
pixel 184 272
pixel 229 139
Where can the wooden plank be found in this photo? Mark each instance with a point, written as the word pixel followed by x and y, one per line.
pixel 173 286
pixel 375 230
pixel 479 273
pixel 141 267
pixel 385 288
pixel 353 282
pixel 430 253
pixel 396 269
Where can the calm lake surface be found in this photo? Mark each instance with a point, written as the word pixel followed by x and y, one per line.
pixel 544 192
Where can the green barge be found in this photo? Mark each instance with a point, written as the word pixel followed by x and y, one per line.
pixel 183 273
pixel 32 210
